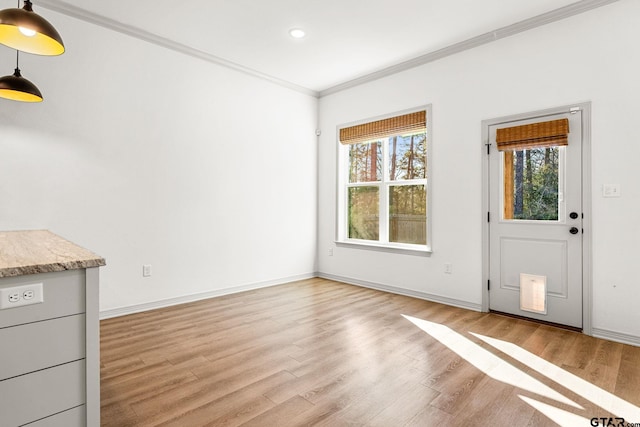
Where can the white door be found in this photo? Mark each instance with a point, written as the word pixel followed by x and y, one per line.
pixel 535 225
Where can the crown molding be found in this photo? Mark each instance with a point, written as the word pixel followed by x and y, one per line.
pixel 111 24
pixel 519 27
pixel 509 30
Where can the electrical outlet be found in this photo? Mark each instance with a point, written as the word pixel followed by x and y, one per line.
pixel 448 268
pixel 146 270
pixel 18 296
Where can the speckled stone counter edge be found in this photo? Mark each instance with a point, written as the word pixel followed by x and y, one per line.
pixel 41 251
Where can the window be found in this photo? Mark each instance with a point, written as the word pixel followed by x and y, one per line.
pixel 533 158
pixel 383 190
pixel 531 182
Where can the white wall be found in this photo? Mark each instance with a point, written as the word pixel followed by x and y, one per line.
pixel 590 57
pixel 147 156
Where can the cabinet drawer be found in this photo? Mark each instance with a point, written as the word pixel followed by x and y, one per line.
pixel 76 417
pixel 64 294
pixel 40 394
pixel 40 345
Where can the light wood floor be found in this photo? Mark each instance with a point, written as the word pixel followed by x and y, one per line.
pixel 318 352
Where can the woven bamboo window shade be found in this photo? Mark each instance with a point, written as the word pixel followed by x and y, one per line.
pixel 399 125
pixel 553 133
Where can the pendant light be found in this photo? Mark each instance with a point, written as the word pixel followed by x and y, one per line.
pixel 25 30
pixel 17 88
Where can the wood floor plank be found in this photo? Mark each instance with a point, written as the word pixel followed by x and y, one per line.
pixel 280 415
pixel 138 384
pixel 431 416
pixel 407 404
pixel 505 407
pixel 232 410
pixel 489 400
pixel 581 352
pixel 628 379
pixel 210 401
pixel 319 352
pixel 604 368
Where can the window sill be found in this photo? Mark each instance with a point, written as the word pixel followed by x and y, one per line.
pixel 404 250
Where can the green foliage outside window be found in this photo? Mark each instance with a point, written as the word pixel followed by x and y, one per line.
pixel 536 184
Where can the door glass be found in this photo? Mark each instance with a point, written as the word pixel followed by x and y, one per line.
pixel 531 183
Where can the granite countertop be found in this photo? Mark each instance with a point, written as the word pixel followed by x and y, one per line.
pixel 41 251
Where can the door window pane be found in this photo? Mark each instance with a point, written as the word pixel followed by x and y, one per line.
pixel 363 213
pixel 365 162
pixel 531 182
pixel 408 214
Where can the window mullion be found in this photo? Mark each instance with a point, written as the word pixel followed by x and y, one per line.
pixel 384 194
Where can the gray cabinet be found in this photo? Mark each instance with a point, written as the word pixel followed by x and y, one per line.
pixel 49 353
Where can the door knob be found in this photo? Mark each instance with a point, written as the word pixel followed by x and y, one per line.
pixel 573 230
pixel 573 215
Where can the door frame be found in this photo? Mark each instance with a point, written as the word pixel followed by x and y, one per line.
pixel 583 108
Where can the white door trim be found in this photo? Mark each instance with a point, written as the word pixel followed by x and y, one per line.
pixel 584 108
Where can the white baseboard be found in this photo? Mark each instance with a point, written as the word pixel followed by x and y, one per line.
pixel 616 336
pixel 137 308
pixel 406 292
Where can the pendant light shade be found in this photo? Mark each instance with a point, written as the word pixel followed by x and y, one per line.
pixel 25 30
pixel 17 88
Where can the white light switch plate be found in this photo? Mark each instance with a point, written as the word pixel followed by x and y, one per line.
pixel 611 190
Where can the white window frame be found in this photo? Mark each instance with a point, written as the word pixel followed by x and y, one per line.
pixel 342 238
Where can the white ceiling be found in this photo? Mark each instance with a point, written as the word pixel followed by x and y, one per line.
pixel 346 39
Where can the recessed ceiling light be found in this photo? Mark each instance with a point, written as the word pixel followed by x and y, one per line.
pixel 297 33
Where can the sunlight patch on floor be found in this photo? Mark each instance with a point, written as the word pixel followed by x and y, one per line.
pixel 487 362
pixel 499 369
pixel 559 416
pixel 591 392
